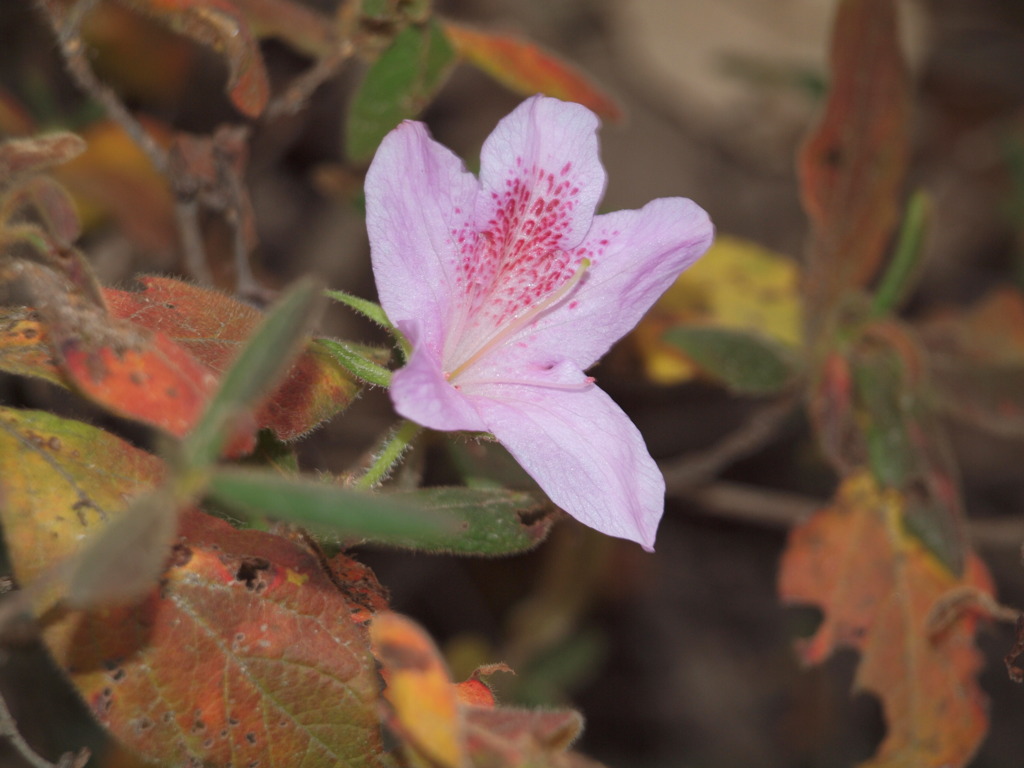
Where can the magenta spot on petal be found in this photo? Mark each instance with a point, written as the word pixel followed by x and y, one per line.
pixel 516 262
pixel 573 304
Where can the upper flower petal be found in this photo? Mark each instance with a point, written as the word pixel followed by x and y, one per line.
pixel 635 257
pixel 419 197
pixel 542 180
pixel 541 175
pixel 585 453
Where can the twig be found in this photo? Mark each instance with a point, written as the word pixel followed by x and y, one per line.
pixel 760 506
pixel 686 473
pixel 781 510
pixel 186 211
pixel 9 730
pixel 299 91
pixel 65 23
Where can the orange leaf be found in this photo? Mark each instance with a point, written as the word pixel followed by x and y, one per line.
pixel 219 25
pixel 157 381
pixel 474 692
pixel 246 653
pixel 852 167
pixel 24 350
pixel 212 327
pixel 528 69
pixel 144 61
pixel 179 340
pixel 977 362
pixel 114 178
pixel 132 372
pixel 878 587
pixel 299 25
pixel 419 690
pixel 129 370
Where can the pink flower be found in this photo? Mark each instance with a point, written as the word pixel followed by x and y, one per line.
pixel 509 287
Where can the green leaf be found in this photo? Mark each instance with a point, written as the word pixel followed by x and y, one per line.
pixel 901 274
pixel 398 86
pixel 378 10
pixel 325 508
pixel 371 310
pixel 746 363
pixel 906 447
pixel 264 359
pixel 125 559
pixel 880 385
pixel 352 358
pixel 466 521
pixel 63 483
pixel 491 521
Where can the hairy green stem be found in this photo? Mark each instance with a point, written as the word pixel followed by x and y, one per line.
pixel 389 453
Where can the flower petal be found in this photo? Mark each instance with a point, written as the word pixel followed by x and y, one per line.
pixel 421 392
pixel 585 453
pixel 635 257
pixel 541 175
pixel 419 197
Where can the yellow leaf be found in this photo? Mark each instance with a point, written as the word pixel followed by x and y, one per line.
pixel 419 690
pixel 737 285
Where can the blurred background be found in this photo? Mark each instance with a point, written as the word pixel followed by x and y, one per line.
pixel 681 658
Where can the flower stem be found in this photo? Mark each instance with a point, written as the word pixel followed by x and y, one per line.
pixel 387 456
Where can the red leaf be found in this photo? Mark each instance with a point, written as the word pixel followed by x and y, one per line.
pixel 212 326
pixel 852 167
pixel 155 381
pixel 528 69
pixel 277 671
pixel 131 371
pixel 161 366
pixel 247 652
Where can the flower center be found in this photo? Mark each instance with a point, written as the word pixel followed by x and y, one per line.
pixel 503 332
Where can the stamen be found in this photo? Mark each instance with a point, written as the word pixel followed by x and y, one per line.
pixel 523 320
pixel 568 387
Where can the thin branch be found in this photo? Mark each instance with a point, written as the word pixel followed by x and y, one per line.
pixel 692 470
pixel 296 96
pixel 782 510
pixel 749 504
pixel 186 211
pixel 9 730
pixel 66 26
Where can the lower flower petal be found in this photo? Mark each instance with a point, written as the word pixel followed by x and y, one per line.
pixel 584 452
pixel 420 391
